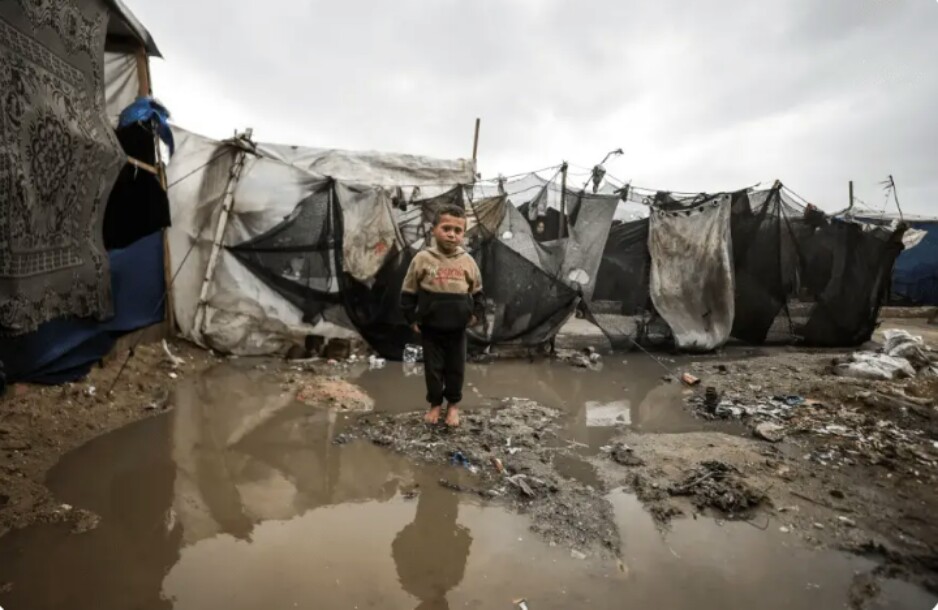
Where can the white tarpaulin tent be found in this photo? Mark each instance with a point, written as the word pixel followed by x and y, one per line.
pixel 240 313
pixel 129 45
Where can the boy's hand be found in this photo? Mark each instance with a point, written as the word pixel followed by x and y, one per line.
pixel 415 328
pixel 473 321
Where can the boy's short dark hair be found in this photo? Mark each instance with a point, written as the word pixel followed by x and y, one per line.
pixel 448 210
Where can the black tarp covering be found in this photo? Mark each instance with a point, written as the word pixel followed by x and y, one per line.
pixel 799 276
pixel 623 273
pixel 298 257
pixel 802 277
pixel 138 205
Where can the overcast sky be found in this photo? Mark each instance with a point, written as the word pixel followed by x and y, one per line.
pixel 700 95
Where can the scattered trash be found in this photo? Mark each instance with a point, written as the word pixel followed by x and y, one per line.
pixel 714 484
pixel 565 510
pixel 91 391
pixel 588 358
pixel 711 399
pixel 869 365
pixel 376 363
pixel 689 379
pixel 519 481
pixel 458 459
pixel 521 603
pixel 575 554
pixel 903 355
pixel 768 431
pixel 497 463
pixel 413 353
pixel 173 376
pixel 847 521
pixel 791 401
pixel 902 344
pixel 784 529
pixel 174 361
pixel 624 455
pixel 818 526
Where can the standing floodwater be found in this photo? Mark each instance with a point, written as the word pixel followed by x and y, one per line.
pixel 239 499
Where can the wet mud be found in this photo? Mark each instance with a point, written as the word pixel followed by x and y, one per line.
pixel 264 487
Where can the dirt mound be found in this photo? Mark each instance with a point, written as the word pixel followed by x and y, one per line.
pixel 717 485
pixel 335 392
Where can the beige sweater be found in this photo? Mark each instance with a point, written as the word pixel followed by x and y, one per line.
pixel 442 290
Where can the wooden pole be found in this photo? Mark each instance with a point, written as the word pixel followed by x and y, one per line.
pixel 850 203
pixel 145 89
pixel 475 145
pixel 143 73
pixel 563 200
pixel 895 193
pixel 228 202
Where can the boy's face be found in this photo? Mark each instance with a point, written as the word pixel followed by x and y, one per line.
pixel 449 232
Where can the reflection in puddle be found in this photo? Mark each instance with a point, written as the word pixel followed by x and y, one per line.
pixel 608 414
pixel 238 499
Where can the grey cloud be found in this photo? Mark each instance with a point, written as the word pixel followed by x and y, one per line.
pixel 668 80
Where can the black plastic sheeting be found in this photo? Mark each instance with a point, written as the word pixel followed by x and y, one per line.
pixel 804 278
pixel 298 258
pixel 623 272
pixel 800 277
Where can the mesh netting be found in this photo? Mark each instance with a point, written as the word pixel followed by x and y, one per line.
pixel 375 310
pixel 799 276
pixel 621 305
pixel 298 257
pixel 803 277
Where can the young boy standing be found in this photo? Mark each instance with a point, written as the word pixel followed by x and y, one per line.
pixel 441 297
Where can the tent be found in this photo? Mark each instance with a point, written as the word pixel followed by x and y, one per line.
pixel 275 244
pixel 915 276
pixel 245 285
pixel 64 295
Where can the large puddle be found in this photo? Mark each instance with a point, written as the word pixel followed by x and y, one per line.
pixel 237 499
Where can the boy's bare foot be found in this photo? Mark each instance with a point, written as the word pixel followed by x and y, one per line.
pixel 433 416
pixel 452 416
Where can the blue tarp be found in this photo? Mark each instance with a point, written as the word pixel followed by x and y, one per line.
pixel 145 109
pixel 64 350
pixel 915 277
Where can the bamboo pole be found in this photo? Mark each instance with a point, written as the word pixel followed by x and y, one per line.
pixel 475 146
pixel 228 202
pixel 563 200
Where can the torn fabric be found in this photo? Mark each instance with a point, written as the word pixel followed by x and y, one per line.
pixel 692 283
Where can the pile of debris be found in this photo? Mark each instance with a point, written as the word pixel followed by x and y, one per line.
pixel 876 408
pixel 587 358
pixel 504 454
pixel 902 356
pixel 714 484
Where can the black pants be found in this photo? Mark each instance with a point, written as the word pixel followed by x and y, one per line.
pixel 444 364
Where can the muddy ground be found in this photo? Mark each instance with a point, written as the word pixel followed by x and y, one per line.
pixel 851 464
pixel 507 454
pixel 39 424
pixel 843 467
